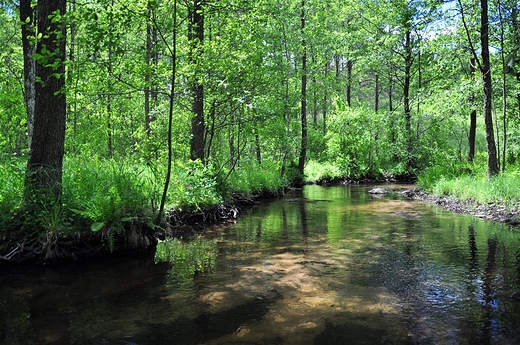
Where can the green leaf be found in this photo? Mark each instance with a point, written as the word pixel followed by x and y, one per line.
pixel 95 227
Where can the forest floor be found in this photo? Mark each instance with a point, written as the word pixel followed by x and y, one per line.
pixel 491 211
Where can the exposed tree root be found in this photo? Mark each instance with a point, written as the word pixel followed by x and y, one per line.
pixel 137 239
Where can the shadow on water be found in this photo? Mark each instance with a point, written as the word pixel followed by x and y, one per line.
pixel 206 326
pixel 321 266
pixel 358 333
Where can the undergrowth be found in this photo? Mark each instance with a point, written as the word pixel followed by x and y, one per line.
pixel 106 196
pixel 470 181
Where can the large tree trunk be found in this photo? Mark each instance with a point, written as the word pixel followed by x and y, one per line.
pixel 198 127
pixel 29 48
pixel 303 110
pixel 488 91
pixel 44 168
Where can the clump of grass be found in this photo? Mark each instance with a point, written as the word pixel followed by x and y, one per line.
pixel 316 171
pixel 252 178
pixel 502 189
pixel 12 174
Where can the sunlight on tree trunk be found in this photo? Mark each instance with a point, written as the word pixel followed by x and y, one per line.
pixel 44 167
pixel 303 110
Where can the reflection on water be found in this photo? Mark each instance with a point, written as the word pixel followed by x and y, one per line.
pixel 321 266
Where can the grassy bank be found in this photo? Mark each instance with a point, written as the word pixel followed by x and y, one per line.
pixel 470 182
pixel 106 200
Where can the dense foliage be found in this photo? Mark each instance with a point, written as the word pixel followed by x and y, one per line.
pixel 388 93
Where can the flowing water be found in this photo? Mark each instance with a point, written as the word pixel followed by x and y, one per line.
pixel 324 265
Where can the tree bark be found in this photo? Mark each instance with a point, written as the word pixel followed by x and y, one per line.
pixel 493 168
pixel 472 119
pixel 408 61
pixel 28 30
pixel 376 103
pixel 303 109
pixel 152 60
pixel 44 167
pixel 198 127
pixel 350 64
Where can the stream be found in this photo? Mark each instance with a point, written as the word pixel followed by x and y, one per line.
pixel 323 265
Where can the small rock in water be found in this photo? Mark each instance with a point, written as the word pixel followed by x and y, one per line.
pixel 377 191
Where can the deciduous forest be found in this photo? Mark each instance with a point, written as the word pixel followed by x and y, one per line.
pixel 121 119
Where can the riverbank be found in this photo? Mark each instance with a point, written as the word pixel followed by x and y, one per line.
pixel 493 211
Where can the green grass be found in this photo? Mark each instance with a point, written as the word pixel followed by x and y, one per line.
pixel 315 171
pixel 106 195
pixel 503 189
pixel 472 182
pixel 253 179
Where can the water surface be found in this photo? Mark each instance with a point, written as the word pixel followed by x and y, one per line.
pixel 324 265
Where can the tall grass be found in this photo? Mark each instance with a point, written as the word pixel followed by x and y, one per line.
pixel 470 181
pixel 316 171
pixel 503 189
pixel 12 173
pixel 252 178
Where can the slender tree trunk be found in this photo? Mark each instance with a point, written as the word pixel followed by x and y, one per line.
pixel 350 64
pixel 408 61
pixel 110 71
pixel 390 93
pixel 73 106
pixel 196 38
pixel 303 110
pixel 406 88
pixel 516 38
pixel 493 168
pixel 170 118
pixel 472 118
pixel 258 150
pixel 504 89
pixel 44 167
pixel 326 99
pixel 28 30
pixel 151 59
pixel 376 103
pixel 314 93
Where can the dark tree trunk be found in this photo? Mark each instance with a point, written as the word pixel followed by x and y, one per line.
pixel 314 94
pixel 408 61
pixel 516 37
pixel 326 101
pixel 376 103
pixel 198 127
pixel 44 167
pixel 28 30
pixel 391 93
pixel 493 168
pixel 303 110
pixel 472 119
pixel 167 179
pixel 350 64
pixel 406 87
